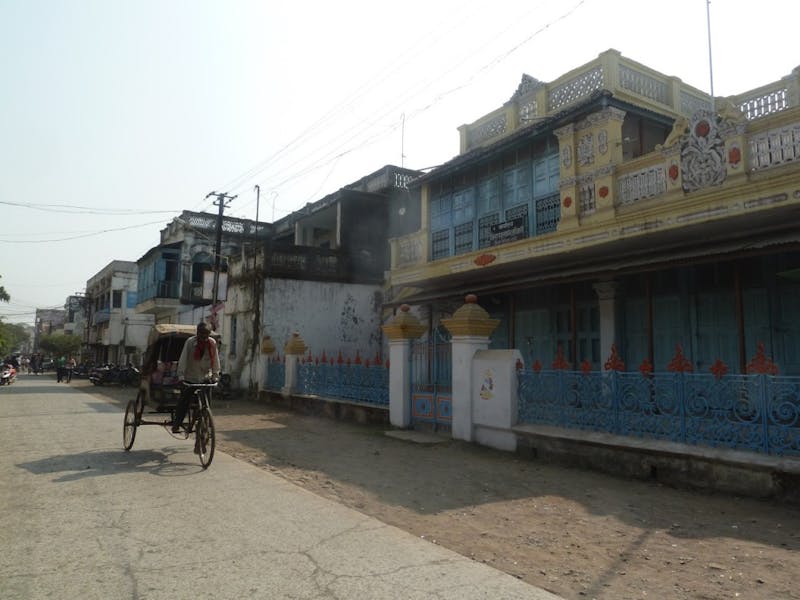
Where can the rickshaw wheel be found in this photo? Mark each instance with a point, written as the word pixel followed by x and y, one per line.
pixel 129 429
pixel 204 437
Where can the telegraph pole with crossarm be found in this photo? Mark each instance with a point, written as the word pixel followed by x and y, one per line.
pixel 222 202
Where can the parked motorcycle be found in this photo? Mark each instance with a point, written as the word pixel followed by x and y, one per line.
pixel 114 374
pixel 8 374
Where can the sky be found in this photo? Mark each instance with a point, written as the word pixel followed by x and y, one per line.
pixel 115 116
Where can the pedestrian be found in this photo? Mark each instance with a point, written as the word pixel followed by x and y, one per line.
pixel 61 367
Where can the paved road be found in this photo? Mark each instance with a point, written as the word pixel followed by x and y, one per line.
pixel 81 518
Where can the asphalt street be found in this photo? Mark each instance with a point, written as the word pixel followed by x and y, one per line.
pixel 82 518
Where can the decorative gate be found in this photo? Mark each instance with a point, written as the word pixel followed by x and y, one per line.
pixel 431 381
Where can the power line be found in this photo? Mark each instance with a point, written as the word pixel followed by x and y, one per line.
pixel 75 237
pixel 84 210
pixel 337 151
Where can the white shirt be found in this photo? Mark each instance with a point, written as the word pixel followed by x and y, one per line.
pixel 193 370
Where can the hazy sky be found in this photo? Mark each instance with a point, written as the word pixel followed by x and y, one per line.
pixel 117 115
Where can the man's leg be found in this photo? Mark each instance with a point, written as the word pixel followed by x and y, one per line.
pixel 181 408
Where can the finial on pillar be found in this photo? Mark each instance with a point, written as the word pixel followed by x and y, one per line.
pixel 295 345
pixel 471 320
pixel 404 326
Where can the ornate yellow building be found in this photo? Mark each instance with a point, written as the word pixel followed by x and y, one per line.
pixel 617 205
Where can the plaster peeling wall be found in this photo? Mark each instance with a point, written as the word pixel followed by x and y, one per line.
pixel 328 316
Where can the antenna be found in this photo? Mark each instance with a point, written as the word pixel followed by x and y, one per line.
pixel 402 139
pixel 710 62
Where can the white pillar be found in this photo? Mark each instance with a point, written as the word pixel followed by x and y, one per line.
pixel 401 331
pixel 606 295
pixel 400 383
pixel 290 376
pixel 470 327
pixel 294 349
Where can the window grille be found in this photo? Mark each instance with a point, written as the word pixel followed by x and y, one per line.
pixel 440 244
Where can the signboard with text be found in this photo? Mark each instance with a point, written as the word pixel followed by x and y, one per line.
pixel 507 231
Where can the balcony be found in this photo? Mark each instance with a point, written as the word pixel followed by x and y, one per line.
pixel 195 296
pixel 320 264
pixel 159 299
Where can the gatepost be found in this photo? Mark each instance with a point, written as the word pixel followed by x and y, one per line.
pixel 294 349
pixel 267 350
pixel 401 331
pixel 470 327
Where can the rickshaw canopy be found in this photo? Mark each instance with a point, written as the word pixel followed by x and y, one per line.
pixel 165 343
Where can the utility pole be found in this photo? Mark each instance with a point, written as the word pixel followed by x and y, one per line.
pixel 221 202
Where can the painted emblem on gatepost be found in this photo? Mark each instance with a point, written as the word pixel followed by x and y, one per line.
pixel 487 387
pixel 703 153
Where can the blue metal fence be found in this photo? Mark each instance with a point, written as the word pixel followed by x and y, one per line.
pixel 758 413
pixel 368 383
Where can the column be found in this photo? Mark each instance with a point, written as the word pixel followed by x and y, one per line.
pixel 295 348
pixel 267 350
pixel 470 327
pixel 606 294
pixel 401 331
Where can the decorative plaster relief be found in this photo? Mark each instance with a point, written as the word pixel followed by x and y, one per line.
pixel 566 156
pixel 586 150
pixel 702 153
pixel 602 141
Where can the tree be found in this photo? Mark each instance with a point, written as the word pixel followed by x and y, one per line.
pixel 3 293
pixel 12 337
pixel 59 344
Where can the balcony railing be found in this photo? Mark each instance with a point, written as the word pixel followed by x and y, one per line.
pixel 625 79
pixel 307 262
pixel 610 71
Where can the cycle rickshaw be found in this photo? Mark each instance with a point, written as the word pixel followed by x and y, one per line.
pixel 160 390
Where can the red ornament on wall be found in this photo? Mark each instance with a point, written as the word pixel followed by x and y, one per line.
pixel 673 172
pixel 702 129
pixel 567 202
pixel 603 191
pixel 734 156
pixel 484 259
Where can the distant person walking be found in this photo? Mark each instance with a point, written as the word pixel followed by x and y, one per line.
pixel 61 368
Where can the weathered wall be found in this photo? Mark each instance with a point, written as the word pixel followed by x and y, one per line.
pixel 329 316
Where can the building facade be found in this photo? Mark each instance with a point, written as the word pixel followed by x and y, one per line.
pixel 321 274
pixel 176 278
pixel 619 207
pixel 115 333
pixel 47 321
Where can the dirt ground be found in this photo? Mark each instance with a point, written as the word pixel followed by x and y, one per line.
pixel 576 533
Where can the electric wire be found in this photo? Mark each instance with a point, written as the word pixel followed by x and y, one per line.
pixel 85 235
pixel 89 210
pixel 333 155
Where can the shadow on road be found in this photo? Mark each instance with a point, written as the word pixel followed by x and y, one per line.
pixel 435 479
pixel 97 463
